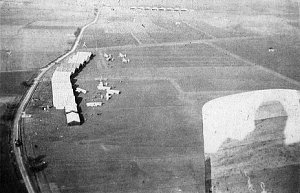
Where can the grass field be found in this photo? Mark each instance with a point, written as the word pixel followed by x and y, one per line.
pixel 26 61
pixel 10 177
pixel 146 144
pixel 176 33
pixel 284 59
pixel 34 35
pixel 100 40
pixel 189 55
pixel 148 138
pixel 11 82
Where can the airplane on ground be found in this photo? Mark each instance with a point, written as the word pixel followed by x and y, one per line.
pixel 122 55
pixel 124 60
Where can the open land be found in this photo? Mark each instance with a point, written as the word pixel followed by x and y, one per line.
pixel 149 138
pixel 11 179
pixel 32 35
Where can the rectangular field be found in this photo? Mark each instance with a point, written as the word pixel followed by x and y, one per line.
pixel 11 82
pixel 17 61
pixel 233 78
pixel 176 31
pixel 100 39
pixel 33 34
pixel 284 58
pixel 189 55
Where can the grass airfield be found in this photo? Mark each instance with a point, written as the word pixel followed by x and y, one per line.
pixel 149 138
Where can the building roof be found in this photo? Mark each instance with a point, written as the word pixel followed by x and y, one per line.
pixel 63 98
pixel 73 118
pixel 61 85
pixel 80 57
pixel 71 107
pixel 60 76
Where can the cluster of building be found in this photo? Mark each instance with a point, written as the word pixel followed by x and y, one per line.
pixel 62 90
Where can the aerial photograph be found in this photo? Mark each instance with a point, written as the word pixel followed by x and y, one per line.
pixel 82 110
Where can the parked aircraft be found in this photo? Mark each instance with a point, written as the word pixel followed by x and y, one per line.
pixel 124 60
pixel 102 87
pixel 122 55
pixel 84 45
pixel 9 52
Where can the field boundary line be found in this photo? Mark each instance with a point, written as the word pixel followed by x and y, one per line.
pixel 24 103
pixel 197 29
pixel 24 70
pixel 267 70
pixel 136 39
pixel 182 42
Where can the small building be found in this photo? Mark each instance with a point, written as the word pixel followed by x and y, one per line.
pixel 94 104
pixel 71 107
pixel 81 90
pixel 113 91
pixel 73 118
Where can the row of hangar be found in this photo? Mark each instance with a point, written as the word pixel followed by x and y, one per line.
pixel 62 89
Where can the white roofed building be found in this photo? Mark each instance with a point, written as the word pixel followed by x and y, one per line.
pixel 109 91
pixel 61 99
pixel 62 90
pixel 61 85
pixel 71 107
pixel 61 76
pixel 80 57
pixel 73 118
pixel 94 104
pixel 66 68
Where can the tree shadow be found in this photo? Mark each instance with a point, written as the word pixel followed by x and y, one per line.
pixel 207 175
pixel 10 112
pixel 37 164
